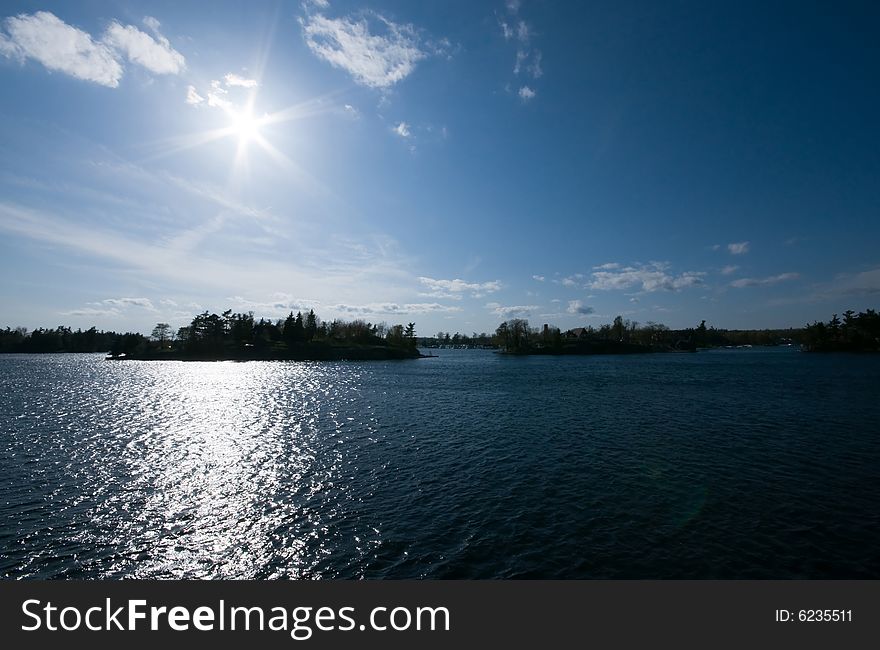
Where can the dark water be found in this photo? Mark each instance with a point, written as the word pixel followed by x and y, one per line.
pixel 729 464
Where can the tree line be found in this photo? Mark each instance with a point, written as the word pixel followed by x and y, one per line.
pixel 63 339
pixel 449 340
pixel 625 335
pixel 218 334
pixel 210 333
pixel 854 333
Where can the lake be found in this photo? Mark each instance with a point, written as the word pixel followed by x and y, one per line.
pixel 754 463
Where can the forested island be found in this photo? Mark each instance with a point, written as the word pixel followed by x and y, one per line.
pixel 230 336
pixel 238 336
pixel 305 337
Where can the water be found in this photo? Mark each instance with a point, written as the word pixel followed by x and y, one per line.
pixel 723 464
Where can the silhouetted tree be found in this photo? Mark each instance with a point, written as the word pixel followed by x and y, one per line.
pixel 161 333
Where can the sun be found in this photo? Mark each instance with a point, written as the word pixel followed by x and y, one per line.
pixel 245 126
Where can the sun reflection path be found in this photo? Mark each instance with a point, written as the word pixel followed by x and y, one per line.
pixel 235 472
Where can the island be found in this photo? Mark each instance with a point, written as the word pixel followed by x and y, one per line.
pixel 239 337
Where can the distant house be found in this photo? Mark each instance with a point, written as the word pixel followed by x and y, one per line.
pixel 577 333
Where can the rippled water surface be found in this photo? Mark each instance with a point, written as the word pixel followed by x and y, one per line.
pixel 732 464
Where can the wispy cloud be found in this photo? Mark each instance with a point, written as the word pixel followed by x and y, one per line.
pixel 534 68
pixel 577 307
pixel 217 96
pixel 233 79
pixel 511 311
pixel 144 303
pixel 47 39
pixel 375 51
pixel 402 129
pixel 863 283
pixel 730 268
pixel 738 248
pixel 192 96
pixel 280 304
pixel 645 277
pixel 539 278
pixel 337 272
pixel 218 93
pixel 392 308
pixel 92 312
pixel 276 305
pixel 111 307
pixel 456 288
pixel 154 54
pixel 760 282
pixel 527 58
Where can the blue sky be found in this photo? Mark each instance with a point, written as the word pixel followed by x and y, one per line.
pixel 449 163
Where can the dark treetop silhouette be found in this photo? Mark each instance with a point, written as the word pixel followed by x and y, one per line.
pixel 237 336
pixel 301 337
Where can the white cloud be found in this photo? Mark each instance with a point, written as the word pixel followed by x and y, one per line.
pixel 511 311
pixel 378 55
pixel 111 307
pixel 233 79
pixel 506 30
pixel 760 282
pixel 8 48
pixel 521 56
pixel 608 266
pixel 521 32
pixel 646 277
pixel 738 248
pixel 44 37
pixel 577 307
pixel 193 97
pixel 539 278
pixel 144 303
pixel 864 283
pixel 277 305
pixel 152 24
pixel 92 311
pixel 217 96
pixel 402 130
pixel 380 308
pixel 280 304
pixel 526 93
pixel 534 67
pixel 155 54
pixel 455 288
pixel 730 268
pixel 513 5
